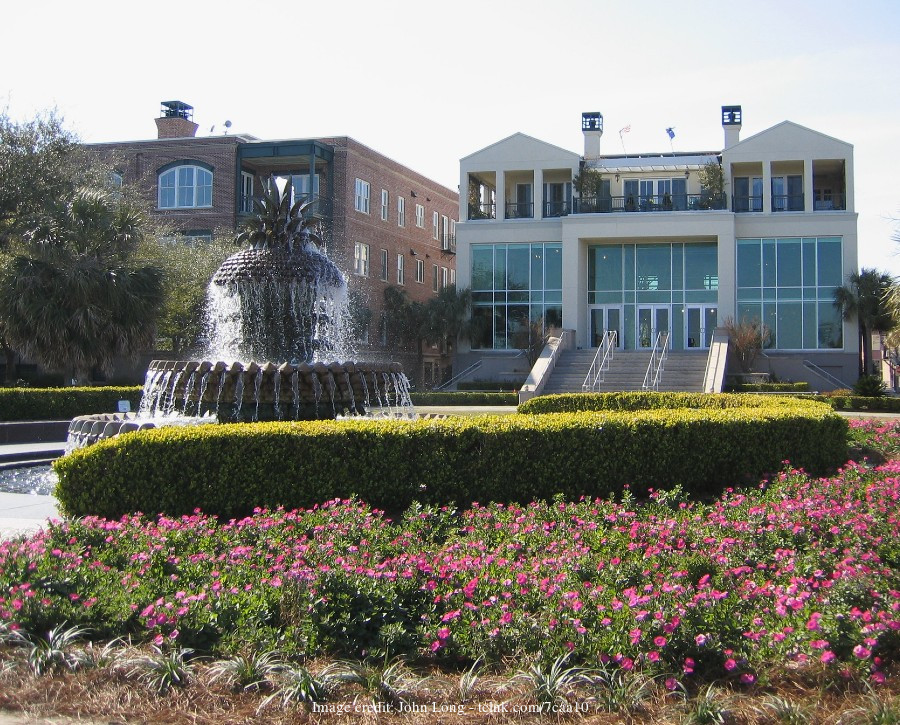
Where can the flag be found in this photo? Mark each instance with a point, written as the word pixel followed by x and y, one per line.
pixel 627 129
pixel 671 132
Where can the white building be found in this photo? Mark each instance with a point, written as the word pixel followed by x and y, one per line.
pixel 647 249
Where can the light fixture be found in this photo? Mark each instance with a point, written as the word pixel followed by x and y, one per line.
pixel 687 173
pixel 412 252
pixel 617 177
pixel 413 194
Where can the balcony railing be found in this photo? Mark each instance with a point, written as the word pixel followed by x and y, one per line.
pixel 555 208
pixel 658 202
pixel 835 203
pixel 519 210
pixel 742 204
pixel 787 202
pixel 483 211
pixel 448 243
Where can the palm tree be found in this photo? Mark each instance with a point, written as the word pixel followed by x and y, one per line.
pixel 865 298
pixel 71 296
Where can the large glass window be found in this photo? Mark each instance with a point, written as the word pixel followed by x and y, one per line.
pixel 514 287
pixel 184 187
pixel 788 284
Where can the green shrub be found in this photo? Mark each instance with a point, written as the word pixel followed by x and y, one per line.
pixel 848 403
pixel 870 386
pixel 62 403
pixel 497 386
pixel 582 402
pixel 465 398
pixel 801 387
pixel 229 470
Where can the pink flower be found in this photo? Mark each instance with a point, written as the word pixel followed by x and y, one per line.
pixel 827 656
pixel 671 684
pixel 688 666
pixel 700 639
pixel 730 664
pixel 747 679
pixel 659 641
pixel 436 645
pixel 443 633
pixel 861 652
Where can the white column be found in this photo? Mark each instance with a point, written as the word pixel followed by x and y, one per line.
pixel 500 194
pixel 767 187
pixel 808 198
pixel 538 193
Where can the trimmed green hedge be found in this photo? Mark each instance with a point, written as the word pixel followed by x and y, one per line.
pixel 582 402
pixel 801 387
pixel 229 470
pixel 488 386
pixel 465 398
pixel 62 403
pixel 858 402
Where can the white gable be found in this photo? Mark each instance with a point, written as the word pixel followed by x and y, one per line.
pixel 788 140
pixel 521 151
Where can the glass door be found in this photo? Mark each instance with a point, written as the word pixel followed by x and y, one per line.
pixel 699 324
pixel 603 319
pixel 651 320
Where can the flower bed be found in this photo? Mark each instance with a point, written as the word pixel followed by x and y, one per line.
pixel 799 570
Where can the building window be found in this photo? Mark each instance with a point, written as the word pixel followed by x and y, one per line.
pixel 401 211
pixel 399 269
pixel 445 233
pixel 435 226
pixel 513 286
pixel 384 204
pixel 384 265
pixel 453 277
pixel 246 193
pixel 185 187
pixel 445 276
pixel 361 199
pixel 434 277
pixel 420 271
pixel 361 259
pixel 788 285
pixel 420 216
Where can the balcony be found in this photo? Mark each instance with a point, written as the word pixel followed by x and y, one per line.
pixel 661 202
pixel 519 210
pixel 830 202
pixel 555 209
pixel 319 207
pixel 741 204
pixel 482 211
pixel 448 243
pixel 787 202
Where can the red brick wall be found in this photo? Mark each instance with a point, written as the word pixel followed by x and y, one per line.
pixel 139 163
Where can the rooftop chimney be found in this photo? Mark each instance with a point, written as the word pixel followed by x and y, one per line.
pixel 175 120
pixel 731 122
pixel 592 127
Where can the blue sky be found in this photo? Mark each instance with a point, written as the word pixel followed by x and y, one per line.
pixel 428 83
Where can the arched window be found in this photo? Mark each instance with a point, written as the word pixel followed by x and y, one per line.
pixel 185 186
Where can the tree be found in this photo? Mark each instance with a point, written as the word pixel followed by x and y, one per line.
pixel 712 180
pixel 865 298
pixel 587 183
pixel 187 268
pixel 71 296
pixel 747 338
pixel 408 324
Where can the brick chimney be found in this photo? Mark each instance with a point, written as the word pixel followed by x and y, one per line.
pixel 175 120
pixel 592 127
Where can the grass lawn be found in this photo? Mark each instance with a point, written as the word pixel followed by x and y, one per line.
pixel 774 604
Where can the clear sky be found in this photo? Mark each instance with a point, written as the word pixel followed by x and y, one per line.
pixel 427 83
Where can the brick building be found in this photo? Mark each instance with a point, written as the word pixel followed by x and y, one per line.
pixel 383 223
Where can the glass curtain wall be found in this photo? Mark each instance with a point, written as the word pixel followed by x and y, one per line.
pixel 515 287
pixel 650 288
pixel 788 284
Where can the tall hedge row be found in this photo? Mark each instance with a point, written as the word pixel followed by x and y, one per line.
pixel 62 403
pixel 231 469
pixel 464 398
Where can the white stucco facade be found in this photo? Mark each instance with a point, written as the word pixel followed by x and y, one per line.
pixel 650 248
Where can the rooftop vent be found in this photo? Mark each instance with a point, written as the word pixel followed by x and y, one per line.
pixel 175 120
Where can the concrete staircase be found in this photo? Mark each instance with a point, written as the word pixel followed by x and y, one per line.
pixel 682 371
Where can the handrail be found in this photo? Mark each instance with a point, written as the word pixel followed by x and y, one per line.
pixel 825 374
pixel 600 363
pixel 459 376
pixel 657 357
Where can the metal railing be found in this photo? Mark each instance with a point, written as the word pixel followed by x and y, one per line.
pixel 448 243
pixel 647 203
pixel 555 209
pixel 741 204
pixel 482 211
pixel 787 202
pixel 657 358
pixel 601 361
pixel 459 376
pixel 519 210
pixel 822 373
